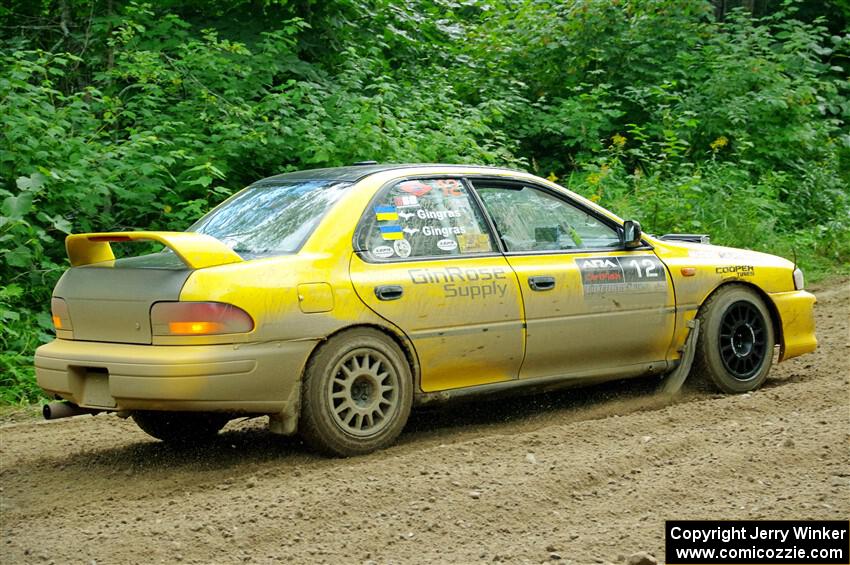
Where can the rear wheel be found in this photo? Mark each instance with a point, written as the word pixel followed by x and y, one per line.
pixel 735 349
pixel 180 427
pixel 356 395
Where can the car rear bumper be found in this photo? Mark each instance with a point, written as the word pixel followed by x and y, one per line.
pixel 797 316
pixel 248 378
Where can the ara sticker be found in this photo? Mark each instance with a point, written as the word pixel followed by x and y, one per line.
pixel 383 251
pixel 386 213
pixel 402 248
pixel 410 231
pixel 447 244
pixel 391 232
pixel 406 215
pixel 415 187
pixel 622 274
pixel 406 201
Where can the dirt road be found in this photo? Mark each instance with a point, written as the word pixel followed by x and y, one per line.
pixel 589 475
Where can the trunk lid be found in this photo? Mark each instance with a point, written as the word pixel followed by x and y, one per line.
pixel 112 301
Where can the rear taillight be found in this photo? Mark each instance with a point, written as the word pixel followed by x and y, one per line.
pixel 61 317
pixel 199 318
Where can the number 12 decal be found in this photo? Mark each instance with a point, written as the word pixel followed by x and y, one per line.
pixel 650 268
pixel 641 273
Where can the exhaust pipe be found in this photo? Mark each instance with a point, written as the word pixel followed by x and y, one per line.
pixel 56 410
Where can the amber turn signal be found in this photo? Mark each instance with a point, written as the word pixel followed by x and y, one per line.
pixel 190 328
pixel 199 318
pixel 60 315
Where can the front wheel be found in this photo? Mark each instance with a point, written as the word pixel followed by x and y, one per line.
pixel 356 395
pixel 735 347
pixel 180 428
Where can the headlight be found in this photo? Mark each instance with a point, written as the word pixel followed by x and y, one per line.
pixel 799 281
pixel 199 318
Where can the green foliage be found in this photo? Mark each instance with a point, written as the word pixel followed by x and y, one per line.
pixel 126 115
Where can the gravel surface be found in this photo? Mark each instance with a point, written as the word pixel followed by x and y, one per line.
pixel 581 476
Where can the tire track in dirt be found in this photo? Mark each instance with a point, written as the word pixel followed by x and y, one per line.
pixel 590 474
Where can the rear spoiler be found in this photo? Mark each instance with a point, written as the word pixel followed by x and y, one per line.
pixel 196 250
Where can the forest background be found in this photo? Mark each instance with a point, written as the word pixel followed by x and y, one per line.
pixel 722 117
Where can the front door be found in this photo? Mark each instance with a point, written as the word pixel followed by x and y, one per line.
pixel 591 308
pixel 427 262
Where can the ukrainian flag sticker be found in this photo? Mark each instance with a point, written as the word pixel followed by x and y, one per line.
pixel 386 213
pixel 391 232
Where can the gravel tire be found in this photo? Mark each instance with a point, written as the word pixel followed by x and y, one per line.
pixel 356 394
pixel 736 341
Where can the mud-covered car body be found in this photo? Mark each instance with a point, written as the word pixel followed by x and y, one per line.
pixel 485 279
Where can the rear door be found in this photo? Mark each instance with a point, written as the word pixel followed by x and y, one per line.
pixel 591 307
pixel 426 261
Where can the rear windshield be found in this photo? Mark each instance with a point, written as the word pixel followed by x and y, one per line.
pixel 271 219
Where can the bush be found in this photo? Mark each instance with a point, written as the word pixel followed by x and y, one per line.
pixel 145 117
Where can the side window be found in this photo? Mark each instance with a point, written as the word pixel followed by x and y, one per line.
pixel 529 219
pixel 424 218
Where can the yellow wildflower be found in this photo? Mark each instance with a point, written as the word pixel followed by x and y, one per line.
pixel 618 140
pixel 719 143
pixel 595 197
pixel 552 177
pixel 166 209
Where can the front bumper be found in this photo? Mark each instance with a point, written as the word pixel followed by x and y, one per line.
pixel 247 378
pixel 797 317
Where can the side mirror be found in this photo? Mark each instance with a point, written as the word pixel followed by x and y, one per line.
pixel 631 234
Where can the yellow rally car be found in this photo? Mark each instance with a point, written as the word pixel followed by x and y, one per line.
pixel 333 300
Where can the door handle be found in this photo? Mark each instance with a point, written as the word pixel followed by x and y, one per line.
pixel 388 292
pixel 541 283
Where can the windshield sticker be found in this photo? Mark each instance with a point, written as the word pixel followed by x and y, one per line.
pixel 391 232
pixel 464 283
pixel 386 213
pixel 643 273
pixel 437 214
pixel 443 232
pixel 402 248
pixel 406 201
pixel 383 252
pixel 474 243
pixel 447 244
pixel 450 187
pixel 415 187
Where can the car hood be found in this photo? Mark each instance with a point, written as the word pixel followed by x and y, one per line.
pixel 725 255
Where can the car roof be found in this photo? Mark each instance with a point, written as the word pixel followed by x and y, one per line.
pixel 354 173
